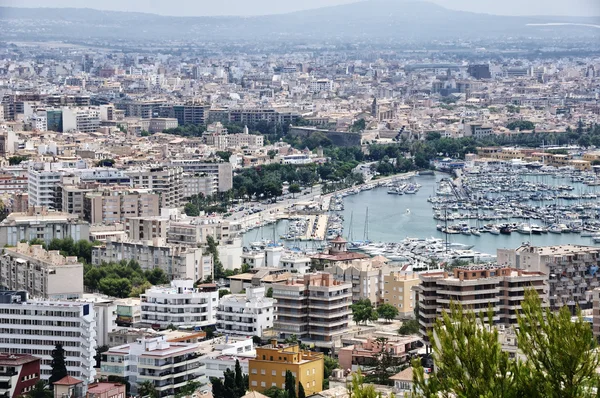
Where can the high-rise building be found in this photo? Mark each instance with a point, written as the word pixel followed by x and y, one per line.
pixel 571 271
pixel 398 291
pixel 167 365
pixel 222 170
pixel 273 360
pixel 35 327
pixel 246 314
pixel 41 273
pixel 477 289
pixel 315 308
pixel 85 120
pixel 166 181
pixel 180 304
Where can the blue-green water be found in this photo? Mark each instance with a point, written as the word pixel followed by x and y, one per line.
pixel 389 220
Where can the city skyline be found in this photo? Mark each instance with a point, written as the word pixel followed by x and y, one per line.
pixel 265 7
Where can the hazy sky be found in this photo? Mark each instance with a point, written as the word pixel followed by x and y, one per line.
pixel 259 7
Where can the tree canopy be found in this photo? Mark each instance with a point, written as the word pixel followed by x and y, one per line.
pixel 387 312
pixel 363 311
pixel 58 364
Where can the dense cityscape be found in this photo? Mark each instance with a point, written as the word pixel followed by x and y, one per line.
pixel 285 210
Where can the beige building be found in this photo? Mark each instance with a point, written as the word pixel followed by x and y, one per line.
pixel 146 228
pixel 116 205
pixel 222 170
pixel 41 273
pixel 316 309
pixel 365 277
pixel 195 231
pixel 166 181
pixel 158 125
pixel 205 184
pixel 571 271
pixel 477 289
pixel 398 291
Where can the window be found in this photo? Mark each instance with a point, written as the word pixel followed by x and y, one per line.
pixel 262 372
pixel 273 373
pixel 263 384
pixel 253 371
pixel 253 383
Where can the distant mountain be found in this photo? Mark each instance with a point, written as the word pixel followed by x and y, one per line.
pixel 367 20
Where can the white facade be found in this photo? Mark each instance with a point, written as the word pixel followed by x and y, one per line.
pixel 295 263
pixel 35 327
pixel 224 352
pixel 169 366
pixel 180 305
pixel 246 314
pixel 319 85
pixel 105 314
pixel 194 184
pixel 86 120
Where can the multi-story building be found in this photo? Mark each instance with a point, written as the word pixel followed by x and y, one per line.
pixel 294 263
pixel 224 351
pixel 315 308
pixel 11 183
pixel 158 125
pixel 85 120
pixel 180 304
pixel 365 277
pixel 195 231
pixel 196 184
pixel 189 113
pixel 39 223
pixel 399 292
pixel 146 228
pixel 246 314
pixel 273 360
pixel 35 327
pixel 41 273
pixel 252 116
pixel 106 390
pixel 477 289
pixel 166 181
pixel 222 170
pixel 105 309
pixel 571 271
pixel 169 366
pixel 178 262
pixel 115 205
pixel 365 353
pixel 596 312
pixel 18 374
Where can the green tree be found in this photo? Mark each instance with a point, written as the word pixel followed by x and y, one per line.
pixel 212 249
pixel 301 393
pixel 240 384
pixel 218 389
pixel 40 390
pixel 358 126
pixel 105 163
pixel 358 388
pixel 225 155
pixel 387 312
pixel 562 354
pixel 274 392
pixel 15 160
pixel 223 292
pixel 58 365
pixel 98 357
pixel 272 153
pixel 188 389
pixel 115 287
pixel 290 384
pixel 329 364
pixel 596 162
pixel 410 326
pixel 294 189
pixel 363 311
pixel 269 292
pixel 190 209
pixel 147 389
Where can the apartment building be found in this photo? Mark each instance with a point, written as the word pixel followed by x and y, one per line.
pixel 189 113
pixel 166 181
pixel 10 183
pixel 365 353
pixel 180 304
pixel 194 232
pixel 314 308
pixel 146 228
pixel 200 184
pixel 115 205
pixel 178 262
pixel 246 314
pixel 85 120
pixel 69 194
pixel 158 125
pixel 18 374
pixel 221 353
pixel 168 366
pixel 39 223
pixel 251 116
pixel 596 312
pixel 365 277
pixel 35 327
pixel 41 273
pixel 398 290
pixel 273 360
pixel 571 271
pixel 477 289
pixel 222 170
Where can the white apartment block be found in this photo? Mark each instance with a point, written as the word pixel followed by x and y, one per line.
pixel 180 304
pixel 38 223
pixel 41 273
pixel 205 184
pixel 195 231
pixel 223 352
pixel 169 366
pixel 178 262
pixel 246 314
pixel 222 170
pixel 105 315
pixel 295 263
pixel 158 125
pixel 166 181
pixel 318 85
pixel 86 120
pixel 35 327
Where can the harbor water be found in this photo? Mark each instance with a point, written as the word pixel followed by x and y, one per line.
pixel 392 218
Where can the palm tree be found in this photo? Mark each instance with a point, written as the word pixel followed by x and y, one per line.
pixel 147 389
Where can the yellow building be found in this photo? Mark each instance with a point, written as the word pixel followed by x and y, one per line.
pixel 272 360
pixel 398 291
pixel 591 156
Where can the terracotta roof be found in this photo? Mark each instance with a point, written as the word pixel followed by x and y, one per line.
pixel 254 394
pixel 405 375
pixel 68 381
pixel 339 239
pixel 16 359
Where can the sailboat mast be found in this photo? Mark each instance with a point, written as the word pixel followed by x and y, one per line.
pixel 366 233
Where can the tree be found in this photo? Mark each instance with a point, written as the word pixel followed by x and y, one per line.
pixel 190 209
pixel 294 189
pixel 218 389
pixel 410 326
pixel 59 368
pixel 223 292
pixel 596 162
pixel 290 384
pixel 257 340
pixel 387 312
pixel 147 389
pixel 105 163
pixel 272 153
pixel 273 392
pixel 219 271
pixel 358 388
pixel 521 125
pixel 301 393
pixel 363 311
pixel 240 385
pixel 358 126
pixel 329 364
pixel 225 155
pixel 188 389
pixel 269 292
pixel 561 354
pixel 98 357
pixel 15 160
pixel 40 391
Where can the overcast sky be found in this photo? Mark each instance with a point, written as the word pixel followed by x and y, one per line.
pixel 261 7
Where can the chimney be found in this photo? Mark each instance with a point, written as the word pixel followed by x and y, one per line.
pixel 274 343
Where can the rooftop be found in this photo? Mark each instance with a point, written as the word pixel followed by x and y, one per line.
pixel 16 359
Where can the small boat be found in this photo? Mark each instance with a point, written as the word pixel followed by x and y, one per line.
pixel 494 231
pixel 505 230
pixel 475 232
